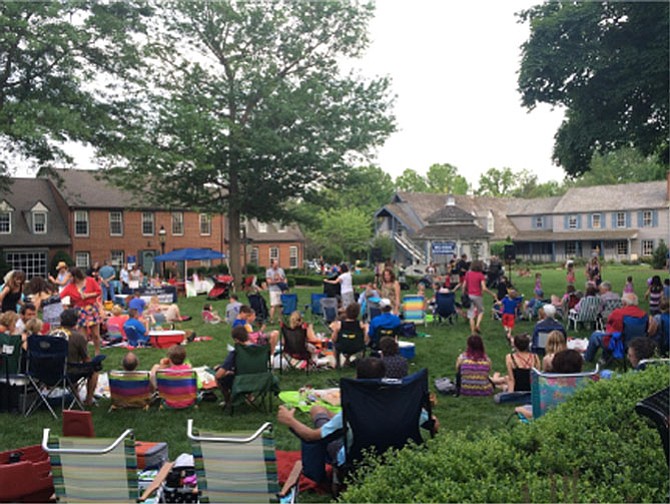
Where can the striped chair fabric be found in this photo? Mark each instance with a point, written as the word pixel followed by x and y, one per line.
pixel 177 389
pixel 413 309
pixel 94 477
pixel 236 472
pixel 130 389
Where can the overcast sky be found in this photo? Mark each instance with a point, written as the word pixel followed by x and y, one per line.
pixel 454 68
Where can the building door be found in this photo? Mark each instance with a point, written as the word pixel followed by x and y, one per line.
pixel 147 261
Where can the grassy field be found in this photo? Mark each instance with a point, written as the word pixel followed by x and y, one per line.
pixel 438 353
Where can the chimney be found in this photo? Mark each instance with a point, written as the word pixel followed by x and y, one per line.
pixel 451 201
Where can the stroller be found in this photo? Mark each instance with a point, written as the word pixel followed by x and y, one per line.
pixel 258 304
pixel 222 285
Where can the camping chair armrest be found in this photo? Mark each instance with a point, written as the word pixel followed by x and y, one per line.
pixel 84 451
pixel 157 482
pixel 259 432
pixel 292 479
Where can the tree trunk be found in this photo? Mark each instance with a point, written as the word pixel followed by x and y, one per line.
pixel 234 245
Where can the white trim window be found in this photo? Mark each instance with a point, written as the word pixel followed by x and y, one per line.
pixel 539 222
pixel 40 222
pixel 116 223
pixel 293 257
pixel 281 228
pixel 118 258
pixel 596 222
pixel 622 247
pixel 177 223
pixel 647 218
pixel 5 217
pixel 253 257
pixel 570 248
pixel 148 223
pixel 205 224
pixel 81 223
pixel 620 220
pixel 274 253
pixel 572 222
pixel 647 247
pixel 82 259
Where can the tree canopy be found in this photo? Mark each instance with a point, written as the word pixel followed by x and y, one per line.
pixel 247 108
pixel 440 178
pixel 607 63
pixel 522 184
pixel 51 55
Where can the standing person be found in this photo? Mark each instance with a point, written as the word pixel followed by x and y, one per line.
pixel 124 278
pixel 10 295
pixel 390 289
pixel 346 285
pixel 63 276
pixel 84 293
pixel 107 275
pixel 474 284
pixel 538 284
pixel 510 309
pixel 570 275
pixel 654 294
pixel 462 267
pixel 39 290
pixel 274 276
pixel 594 271
pixel 629 288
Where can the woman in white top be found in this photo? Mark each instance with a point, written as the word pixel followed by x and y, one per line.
pixel 346 285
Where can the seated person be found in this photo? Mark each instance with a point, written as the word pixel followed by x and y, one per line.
pixel 547 322
pixel 518 363
pixel 233 308
pixel 8 321
pixel 209 315
pixel 640 349
pixel 614 324
pixel 349 322
pixel 591 291
pixel 170 311
pixel 473 367
pixel 396 365
pixel 78 354
pixel 175 361
pixel 117 320
pixel 26 313
pixel 386 320
pixel 313 343
pixel 130 362
pixel 140 327
pixel 136 302
pixel 555 343
pixel 260 337
pixel 532 306
pixel 326 422
pixel 225 372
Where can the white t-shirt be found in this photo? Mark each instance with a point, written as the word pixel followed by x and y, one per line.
pixel 272 275
pixel 346 283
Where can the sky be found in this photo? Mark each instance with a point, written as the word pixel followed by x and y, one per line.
pixel 453 66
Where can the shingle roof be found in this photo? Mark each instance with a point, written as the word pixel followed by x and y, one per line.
pixel 535 206
pixel 24 194
pixel 450 213
pixel 85 189
pixel 291 234
pixel 451 232
pixel 549 236
pixel 640 195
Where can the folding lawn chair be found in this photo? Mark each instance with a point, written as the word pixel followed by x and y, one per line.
pixel 11 379
pixel 373 309
pixel 539 344
pixel 93 469
pixel 328 310
pixel 133 337
pixel 130 389
pixel 609 306
pixel 47 373
pixel 348 344
pixel 548 390
pixel 178 389
pixel 413 309
pixel 258 304
pixel 289 303
pixel 656 407
pixel 445 306
pixel 587 314
pixel 380 332
pixel 293 347
pixel 633 327
pixel 253 382
pixel 315 306
pixel 240 466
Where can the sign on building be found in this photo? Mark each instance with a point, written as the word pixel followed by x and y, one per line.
pixel 444 248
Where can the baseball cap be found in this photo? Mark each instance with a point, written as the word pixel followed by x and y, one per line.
pixel 384 302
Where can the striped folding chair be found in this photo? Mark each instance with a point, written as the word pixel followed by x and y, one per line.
pixel 240 467
pixel 413 309
pixel 93 469
pixel 177 389
pixel 130 389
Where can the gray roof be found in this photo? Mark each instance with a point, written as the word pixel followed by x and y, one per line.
pixel 452 232
pixel 549 236
pixel 640 195
pixel 535 206
pixel 24 194
pixel 86 189
pixel 450 214
pixel 292 233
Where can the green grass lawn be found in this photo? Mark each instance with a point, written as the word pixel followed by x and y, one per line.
pixel 438 353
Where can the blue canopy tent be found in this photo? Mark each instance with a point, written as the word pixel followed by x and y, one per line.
pixel 190 254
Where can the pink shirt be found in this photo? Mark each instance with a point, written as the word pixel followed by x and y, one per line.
pixel 473 281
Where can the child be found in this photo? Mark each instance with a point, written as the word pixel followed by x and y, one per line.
pixel 538 284
pixel 175 361
pixel 140 328
pixel 233 308
pixel 242 318
pixel 225 372
pixel 629 288
pixel 396 365
pixel 570 276
pixel 510 307
pixel 209 316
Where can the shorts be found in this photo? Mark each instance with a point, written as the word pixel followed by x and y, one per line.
pixel 275 297
pixel 508 320
pixel 333 447
pixel 89 315
pixel 347 298
pixel 476 304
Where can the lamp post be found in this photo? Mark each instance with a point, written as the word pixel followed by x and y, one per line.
pixel 161 238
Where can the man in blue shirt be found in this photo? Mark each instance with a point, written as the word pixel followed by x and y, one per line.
pixel 137 328
pixel 107 275
pixel 548 324
pixel 137 303
pixel 386 320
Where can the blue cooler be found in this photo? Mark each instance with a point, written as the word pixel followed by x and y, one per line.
pixel 407 349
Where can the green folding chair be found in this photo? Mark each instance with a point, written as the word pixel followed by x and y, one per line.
pixel 240 466
pixel 254 381
pixel 93 469
pixel 11 377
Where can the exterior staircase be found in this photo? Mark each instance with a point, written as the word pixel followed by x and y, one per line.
pixel 411 248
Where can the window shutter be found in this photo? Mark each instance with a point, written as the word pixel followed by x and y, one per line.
pixel 565 222
pixel 579 222
pixel 603 224
pixel 589 221
pixel 640 221
pixel 613 220
pixel 533 222
pixel 628 219
pixel 654 218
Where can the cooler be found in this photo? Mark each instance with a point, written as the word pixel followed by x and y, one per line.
pixel 406 349
pixel 166 339
pixel 150 455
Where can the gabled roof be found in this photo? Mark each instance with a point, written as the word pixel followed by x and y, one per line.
pixel 24 194
pixel 86 189
pixel 451 232
pixel 292 233
pixel 640 195
pixel 450 214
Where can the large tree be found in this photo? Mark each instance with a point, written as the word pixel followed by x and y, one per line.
pixel 607 63
pixel 440 178
pixel 248 108
pixel 621 167
pixel 54 57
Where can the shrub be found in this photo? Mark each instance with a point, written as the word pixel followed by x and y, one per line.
pixel 660 256
pixel 593 448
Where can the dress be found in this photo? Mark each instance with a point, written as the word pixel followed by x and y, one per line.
pixel 388 291
pixel 474 376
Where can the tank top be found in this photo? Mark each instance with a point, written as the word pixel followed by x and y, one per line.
pixel 521 377
pixel 10 300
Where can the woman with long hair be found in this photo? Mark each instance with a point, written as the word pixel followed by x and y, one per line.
pixel 390 289
pixel 555 343
pixel 85 294
pixel 10 295
pixel 473 368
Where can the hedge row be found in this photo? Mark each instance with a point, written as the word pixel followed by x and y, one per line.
pixel 593 448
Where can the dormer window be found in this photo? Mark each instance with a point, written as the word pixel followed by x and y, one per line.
pixel 281 228
pixel 39 218
pixel 490 222
pixel 6 211
pixel 262 227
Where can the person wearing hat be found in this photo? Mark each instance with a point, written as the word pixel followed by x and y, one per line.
pixel 547 323
pixel 385 320
pixel 63 276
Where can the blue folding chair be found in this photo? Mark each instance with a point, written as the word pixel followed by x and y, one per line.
pixel 315 305
pixel 289 303
pixel 445 306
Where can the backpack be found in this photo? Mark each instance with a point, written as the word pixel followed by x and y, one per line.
pixel 615 346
